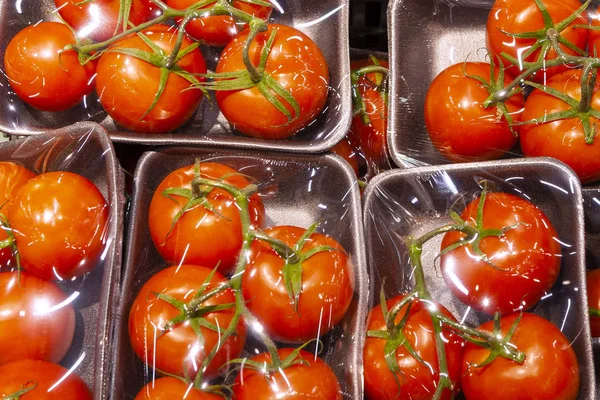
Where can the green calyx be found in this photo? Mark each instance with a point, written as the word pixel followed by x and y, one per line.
pixel 255 76
pixel 593 312
pixel 493 87
pixel 293 258
pixel 276 364
pixel 475 234
pixel 380 82
pixel 27 387
pixel 542 43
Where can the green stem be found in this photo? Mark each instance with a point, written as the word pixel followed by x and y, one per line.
pixel 179 41
pixel 594 312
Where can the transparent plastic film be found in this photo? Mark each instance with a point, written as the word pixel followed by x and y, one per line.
pixel 245 278
pixel 61 217
pixel 480 269
pixel 247 73
pixel 484 80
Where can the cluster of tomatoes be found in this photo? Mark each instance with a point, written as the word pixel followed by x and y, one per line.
pixel 538 87
pixel 227 279
pixel 143 59
pixel 500 256
pixel 52 229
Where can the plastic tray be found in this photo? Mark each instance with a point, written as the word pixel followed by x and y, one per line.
pixel 86 149
pixel 296 190
pixel 324 21
pixel 409 202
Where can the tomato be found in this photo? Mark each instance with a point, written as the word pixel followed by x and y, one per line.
pixel 40 74
pixel 98 19
pixel 371 137
pixel 296 63
pixel 563 139
pixel 178 350
pixel 459 126
pixel 550 370
pixel 313 379
pixel 37 320
pixel 526 260
pixel 12 177
pixel 127 85
pixel 327 287
pixel 171 389
pixel 593 297
pixel 417 380
pixel 47 381
pixel 519 16
pixel 59 221
pixel 218 30
pixel 209 237
pixel 349 153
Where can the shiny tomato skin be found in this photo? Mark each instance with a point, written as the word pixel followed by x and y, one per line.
pixel 97 19
pixel 127 85
pixel 173 389
pixel 371 137
pixel 12 177
pixel 563 139
pixel 59 220
pixel 40 74
pixel 296 62
pixel 45 375
pixel 593 297
pixel 299 382
pixel 201 236
pixel 218 30
pixel 417 382
pixel 29 326
pixel 175 352
pixel 526 260
pixel 550 370
pixel 459 126
pixel 519 16
pixel 327 287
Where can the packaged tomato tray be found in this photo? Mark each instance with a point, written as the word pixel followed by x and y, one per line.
pixel 286 316
pixel 65 62
pixel 482 267
pixel 477 80
pixel 592 242
pixel 62 223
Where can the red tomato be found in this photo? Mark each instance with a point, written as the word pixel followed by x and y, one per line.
pixel 311 380
pixel 372 137
pixel 417 381
pixel 220 29
pixel 172 388
pixel 526 259
pixel 345 150
pixel 40 74
pixel 36 319
pixel 459 126
pixel 519 16
pixel 179 351
pixel 593 297
pixel 12 177
pixel 563 139
pixel 97 19
pixel 550 370
pixel 296 63
pixel 127 85
pixel 201 236
pixel 594 39
pixel 59 222
pixel 327 287
pixel 47 381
